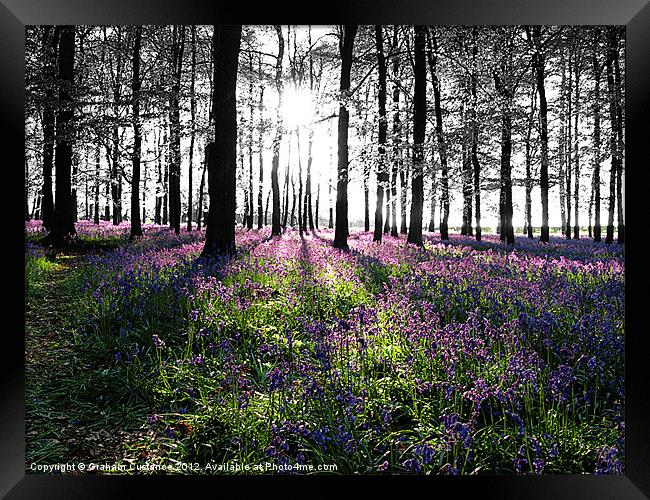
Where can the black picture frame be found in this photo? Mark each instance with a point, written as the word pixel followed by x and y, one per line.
pixel 635 14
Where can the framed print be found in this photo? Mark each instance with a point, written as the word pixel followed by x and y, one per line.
pixel 384 250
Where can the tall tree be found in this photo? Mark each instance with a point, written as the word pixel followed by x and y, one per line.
pixel 528 216
pixel 396 134
pixel 468 186
pixel 597 68
pixel 562 159
pixel 419 129
pixel 116 76
pixel 382 169
pixel 538 67
pixel 275 215
pixel 330 221
pixel 159 182
pixel 190 167
pixel 63 219
pixel 50 43
pixel 97 165
pixel 569 162
pixel 260 145
pixel 440 138
pixel 136 228
pixel 616 134
pixel 341 231
pixel 251 209
pixel 475 134
pixel 309 213
pixel 365 161
pixel 178 45
pixel 222 158
pixel 619 131
pixel 505 87
pixel 577 66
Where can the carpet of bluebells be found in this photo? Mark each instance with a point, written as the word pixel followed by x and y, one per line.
pixel 463 357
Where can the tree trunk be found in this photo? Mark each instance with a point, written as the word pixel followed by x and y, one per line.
pixel 382 174
pixel 341 230
pixel 266 210
pixel 403 182
pixel 475 137
pixel 576 195
pixel 562 142
pixel 366 196
pixel 506 95
pixel 222 166
pixel 165 216
pixel 432 216
pixel 107 206
pixel 330 223
pixel 63 220
pixel 292 218
pixel 302 216
pixel 261 157
pixel 136 228
pixel 591 208
pixel 365 161
pixel 50 43
pixel 619 133
pixel 569 163
pixel 309 212
pixel 285 211
pixel 144 191
pixel 613 142
pixel 468 185
pixel 36 207
pixel 159 183
pixel 396 134
pixel 442 151
pixel 543 118
pixel 75 174
pixel 528 226
pixel 317 204
pixel 240 171
pixel 97 164
pixel 419 129
pixel 175 130
pixel 190 169
pixel 506 151
pixel 275 217
pixel 199 215
pixel 596 136
pixel 251 207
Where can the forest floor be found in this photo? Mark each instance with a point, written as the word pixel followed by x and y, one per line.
pixel 461 357
pixel 62 423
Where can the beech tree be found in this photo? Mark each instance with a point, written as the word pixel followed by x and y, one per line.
pixel 341 230
pixel 136 228
pixel 382 168
pixel 63 218
pixel 275 164
pixel 222 156
pixel 419 129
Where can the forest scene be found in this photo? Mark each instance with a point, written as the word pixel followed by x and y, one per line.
pixel 324 249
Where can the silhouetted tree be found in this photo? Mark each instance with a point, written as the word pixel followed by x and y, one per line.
pixel 382 168
pixel 341 231
pixel 63 221
pixel 419 129
pixel 136 228
pixel 222 158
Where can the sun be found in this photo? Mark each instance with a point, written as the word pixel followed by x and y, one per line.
pixel 297 107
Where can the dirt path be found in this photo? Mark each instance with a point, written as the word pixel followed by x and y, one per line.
pixel 60 427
